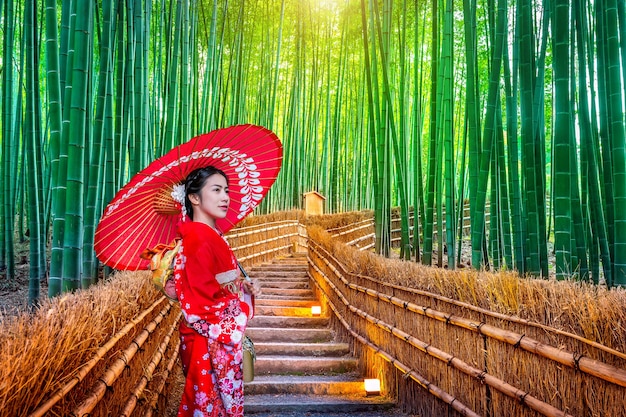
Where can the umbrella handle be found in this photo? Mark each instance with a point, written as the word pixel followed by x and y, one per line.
pixel 245 274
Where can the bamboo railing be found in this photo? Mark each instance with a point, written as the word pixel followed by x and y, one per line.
pixel 480 363
pixel 361 234
pixel 118 365
pixel 263 242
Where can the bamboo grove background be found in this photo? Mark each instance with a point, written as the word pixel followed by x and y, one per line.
pixel 514 107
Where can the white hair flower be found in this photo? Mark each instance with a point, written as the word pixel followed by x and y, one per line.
pixel 178 194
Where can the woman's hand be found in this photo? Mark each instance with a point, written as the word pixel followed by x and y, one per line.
pixel 252 286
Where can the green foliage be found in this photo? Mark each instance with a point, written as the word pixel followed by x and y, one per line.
pixel 379 103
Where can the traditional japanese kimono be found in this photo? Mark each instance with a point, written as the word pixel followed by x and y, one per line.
pixel 215 317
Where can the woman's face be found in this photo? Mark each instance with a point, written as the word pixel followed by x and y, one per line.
pixel 212 201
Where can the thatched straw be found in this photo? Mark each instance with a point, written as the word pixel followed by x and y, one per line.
pixel 406 371
pixel 138 392
pixel 505 388
pixel 87 367
pixel 279 216
pixel 44 352
pixel 115 369
pixel 331 222
pixel 591 312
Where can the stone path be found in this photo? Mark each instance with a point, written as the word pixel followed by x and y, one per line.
pixel 300 369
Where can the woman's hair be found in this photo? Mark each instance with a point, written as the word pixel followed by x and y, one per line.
pixel 195 181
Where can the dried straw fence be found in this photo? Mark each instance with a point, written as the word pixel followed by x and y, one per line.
pixel 265 241
pixel 105 351
pixel 112 350
pixel 440 355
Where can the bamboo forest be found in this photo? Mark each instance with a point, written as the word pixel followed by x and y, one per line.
pixel 505 114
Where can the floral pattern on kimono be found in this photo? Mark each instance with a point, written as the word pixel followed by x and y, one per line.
pixel 215 318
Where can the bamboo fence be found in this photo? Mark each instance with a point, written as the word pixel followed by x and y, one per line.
pixel 361 234
pixel 263 242
pixel 442 356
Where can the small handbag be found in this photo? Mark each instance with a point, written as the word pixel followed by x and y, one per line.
pixel 249 357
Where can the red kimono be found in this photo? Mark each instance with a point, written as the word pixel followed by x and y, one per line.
pixel 215 318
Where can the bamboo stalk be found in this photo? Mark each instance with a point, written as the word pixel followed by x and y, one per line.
pixel 113 372
pixel 87 367
pixel 148 372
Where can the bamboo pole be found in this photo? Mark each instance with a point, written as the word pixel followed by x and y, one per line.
pixel 360 239
pixel 87 367
pixel 266 241
pixel 160 387
pixel 254 230
pixel 265 252
pixel 148 372
pixel 368 224
pixel 113 372
pixel 356 226
pixel 573 360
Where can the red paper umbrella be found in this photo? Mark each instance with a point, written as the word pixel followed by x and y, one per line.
pixel 144 213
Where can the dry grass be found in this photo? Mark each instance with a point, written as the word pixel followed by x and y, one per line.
pixel 538 311
pixel 278 216
pixel 42 351
pixel 333 221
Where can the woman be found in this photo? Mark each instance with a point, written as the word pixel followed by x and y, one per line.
pixel 210 291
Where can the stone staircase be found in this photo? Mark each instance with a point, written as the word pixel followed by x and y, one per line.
pixel 300 369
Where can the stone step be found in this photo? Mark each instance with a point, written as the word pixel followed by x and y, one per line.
pixel 301 263
pixel 327 405
pixel 280 271
pixel 295 293
pixel 298 365
pixel 286 321
pixel 272 310
pixel 349 383
pixel 302 349
pixel 286 285
pixel 277 300
pixel 293 257
pixel 272 277
pixel 269 334
pixel 299 369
